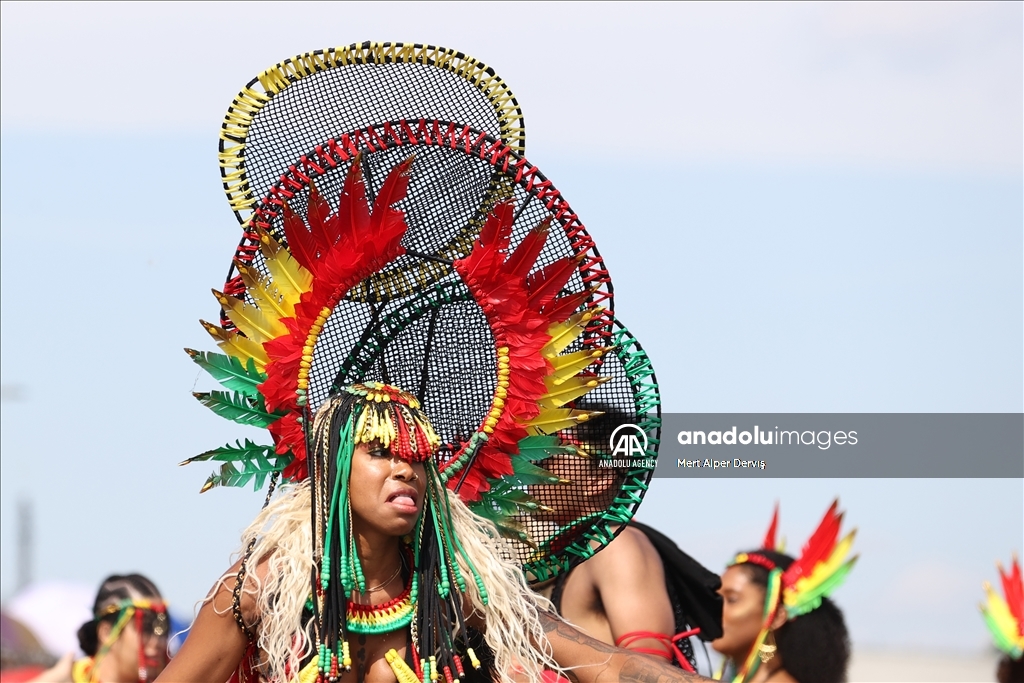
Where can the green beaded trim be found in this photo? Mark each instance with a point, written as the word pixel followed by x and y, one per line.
pixel 640 373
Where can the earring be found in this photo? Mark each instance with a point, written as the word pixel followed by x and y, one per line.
pixel 766 650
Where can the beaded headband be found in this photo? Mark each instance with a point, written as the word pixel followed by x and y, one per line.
pixel 128 603
pixel 391 417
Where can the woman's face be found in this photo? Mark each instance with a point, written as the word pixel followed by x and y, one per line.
pixel 124 654
pixel 742 613
pixel 386 492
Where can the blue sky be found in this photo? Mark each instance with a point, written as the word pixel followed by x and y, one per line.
pixel 805 208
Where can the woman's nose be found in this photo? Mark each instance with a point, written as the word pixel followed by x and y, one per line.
pixel 155 645
pixel 401 470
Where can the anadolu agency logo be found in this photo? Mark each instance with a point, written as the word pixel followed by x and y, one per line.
pixel 628 446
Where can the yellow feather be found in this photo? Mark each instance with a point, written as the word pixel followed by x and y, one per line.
pixel 554 419
pixel 825 569
pixel 291 278
pixel 570 364
pixel 238 346
pixel 265 293
pixel 253 322
pixel 569 390
pixel 1000 613
pixel 563 333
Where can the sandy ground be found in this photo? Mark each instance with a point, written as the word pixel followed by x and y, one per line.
pixel 879 666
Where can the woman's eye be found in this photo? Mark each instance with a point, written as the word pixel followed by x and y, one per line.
pixel 379 452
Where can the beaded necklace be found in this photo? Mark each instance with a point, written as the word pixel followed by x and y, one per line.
pixel 386 617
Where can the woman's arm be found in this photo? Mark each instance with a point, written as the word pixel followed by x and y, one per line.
pixel 215 644
pixel 591 661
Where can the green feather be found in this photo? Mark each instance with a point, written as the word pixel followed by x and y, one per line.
pixel 238 408
pixel 230 371
pixel 1003 641
pixel 237 452
pixel 242 463
pixel 509 502
pixel 253 471
pixel 527 474
pixel 811 600
pixel 536 448
pixel 507 527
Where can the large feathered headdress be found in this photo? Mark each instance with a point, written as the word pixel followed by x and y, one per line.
pixel 393 231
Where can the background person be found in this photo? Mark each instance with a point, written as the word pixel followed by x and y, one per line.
pixel 778 623
pixel 640 592
pixel 125 642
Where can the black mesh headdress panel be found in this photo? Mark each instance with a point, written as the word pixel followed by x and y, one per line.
pixel 301 102
pixel 442 207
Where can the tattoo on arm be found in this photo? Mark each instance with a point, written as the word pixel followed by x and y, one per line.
pixel 563 630
pixel 626 667
pixel 640 669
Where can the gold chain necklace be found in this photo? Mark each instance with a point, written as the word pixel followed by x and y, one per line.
pixel 374 589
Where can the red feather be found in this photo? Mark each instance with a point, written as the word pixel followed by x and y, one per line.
pixel 545 284
pixel 564 306
pixel 769 542
pixel 818 547
pixel 1013 589
pixel 318 214
pixel 386 219
pixel 488 249
pixel 499 285
pixel 498 219
pixel 353 217
pixel 300 243
pixel 525 255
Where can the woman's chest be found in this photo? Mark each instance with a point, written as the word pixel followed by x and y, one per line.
pixel 369 656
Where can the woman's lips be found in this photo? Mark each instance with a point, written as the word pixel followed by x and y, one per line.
pixel 403 502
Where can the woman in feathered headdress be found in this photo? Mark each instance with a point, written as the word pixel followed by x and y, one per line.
pixel 399 580
pixel 406 578
pixel 778 623
pixel 474 284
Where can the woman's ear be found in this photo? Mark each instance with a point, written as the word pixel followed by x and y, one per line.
pixel 103 630
pixel 780 618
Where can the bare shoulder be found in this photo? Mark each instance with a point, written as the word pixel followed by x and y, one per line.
pixel 631 547
pixel 629 560
pixel 242 584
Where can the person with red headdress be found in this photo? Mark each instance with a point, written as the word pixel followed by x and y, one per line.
pixel 779 624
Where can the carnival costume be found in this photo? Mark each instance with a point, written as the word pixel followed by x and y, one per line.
pixel 821 568
pixel 1004 615
pixel 394 233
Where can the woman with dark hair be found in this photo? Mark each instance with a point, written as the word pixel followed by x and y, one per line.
pixel 778 623
pixel 125 641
